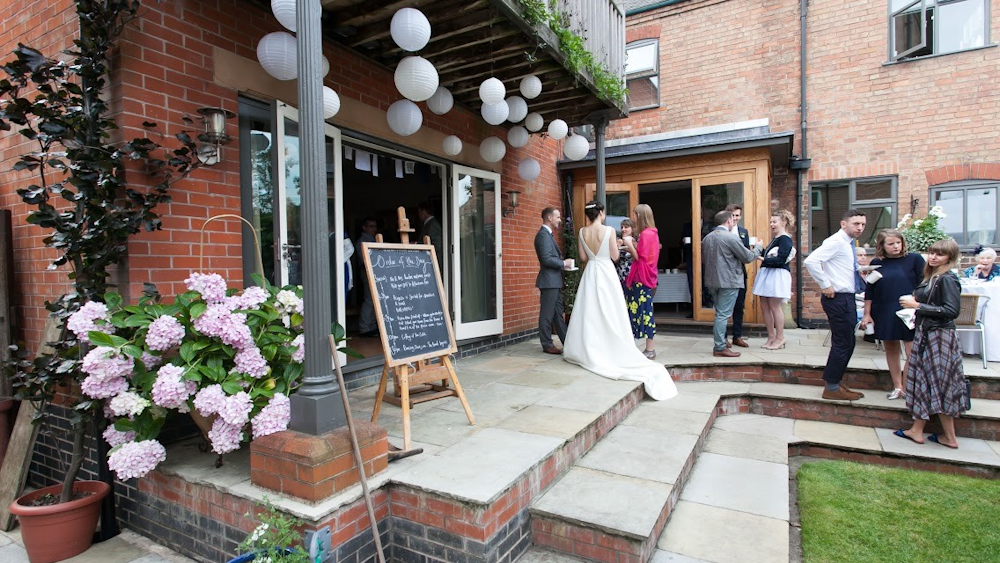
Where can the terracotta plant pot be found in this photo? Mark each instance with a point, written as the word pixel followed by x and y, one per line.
pixel 60 531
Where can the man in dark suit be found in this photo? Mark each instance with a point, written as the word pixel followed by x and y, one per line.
pixel 431 227
pixel 737 211
pixel 550 281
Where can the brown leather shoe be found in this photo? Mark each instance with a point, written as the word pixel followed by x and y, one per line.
pixel 738 341
pixel 728 344
pixel 841 394
pixel 849 390
pixel 552 350
pixel 727 353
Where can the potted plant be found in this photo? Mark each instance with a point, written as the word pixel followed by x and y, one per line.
pixel 920 234
pixel 83 197
pixel 276 539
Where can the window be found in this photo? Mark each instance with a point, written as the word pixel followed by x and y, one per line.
pixel 876 197
pixel 642 74
pixel 971 209
pixel 918 28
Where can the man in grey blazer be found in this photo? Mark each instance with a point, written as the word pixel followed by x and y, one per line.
pixel 723 256
pixel 550 281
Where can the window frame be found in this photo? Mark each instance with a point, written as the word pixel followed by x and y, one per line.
pixel 966 186
pixel 926 6
pixel 655 71
pixel 853 201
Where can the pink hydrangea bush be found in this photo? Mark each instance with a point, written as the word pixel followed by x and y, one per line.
pixel 232 356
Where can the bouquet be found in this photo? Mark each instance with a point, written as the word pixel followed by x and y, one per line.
pixel 234 357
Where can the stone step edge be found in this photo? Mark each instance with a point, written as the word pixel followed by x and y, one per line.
pixel 810 448
pixel 770 364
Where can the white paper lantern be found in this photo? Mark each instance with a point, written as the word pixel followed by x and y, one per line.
pixel 410 29
pixel 576 147
pixel 276 53
pixel 452 145
pixel 404 117
pixel 517 137
pixel 331 102
pixel 492 149
pixel 416 78
pixel 533 122
pixel 324 67
pixel 557 129
pixel 441 102
pixel 531 86
pixel 495 114
pixel 284 12
pixel 492 91
pixel 518 109
pixel 529 169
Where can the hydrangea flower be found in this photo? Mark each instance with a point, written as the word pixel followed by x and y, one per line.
pixel 128 404
pixel 164 333
pixel 151 361
pixel 236 409
pixel 115 438
pixel 212 287
pixel 85 320
pixel 288 303
pixel 274 417
pixel 229 327
pixel 252 298
pixel 225 437
pixel 97 387
pixel 136 459
pixel 209 400
pixel 170 390
pixel 105 362
pixel 299 355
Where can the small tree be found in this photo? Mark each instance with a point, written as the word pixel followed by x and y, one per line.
pixel 82 195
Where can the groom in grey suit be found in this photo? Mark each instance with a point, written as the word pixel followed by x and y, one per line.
pixel 550 281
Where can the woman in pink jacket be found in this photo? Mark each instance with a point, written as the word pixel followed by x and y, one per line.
pixel 640 285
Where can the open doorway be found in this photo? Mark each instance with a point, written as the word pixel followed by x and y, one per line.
pixel 671 205
pixel 376 182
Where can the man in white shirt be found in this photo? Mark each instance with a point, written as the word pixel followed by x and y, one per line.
pixel 834 266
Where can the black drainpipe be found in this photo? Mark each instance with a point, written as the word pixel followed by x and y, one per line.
pixel 801 164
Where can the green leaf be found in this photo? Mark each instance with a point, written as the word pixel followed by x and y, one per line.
pixel 98 338
pixel 231 387
pixel 197 309
pixel 132 351
pixel 137 321
pixel 187 352
pixel 113 300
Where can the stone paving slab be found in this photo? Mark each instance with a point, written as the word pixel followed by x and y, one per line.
pixel 660 556
pixel 723 388
pixel 969 450
pixel 655 416
pixel 543 377
pixel 735 444
pixel 843 435
pixel 654 455
pixel 593 394
pixel 759 425
pixel 720 535
pixel 538 555
pixel 748 485
pixel 496 401
pixel 439 426
pixel 482 466
pixel 995 446
pixel 609 502
pixel 549 421
pixel 689 401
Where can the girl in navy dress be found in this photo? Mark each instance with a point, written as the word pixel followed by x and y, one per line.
pixel 901 272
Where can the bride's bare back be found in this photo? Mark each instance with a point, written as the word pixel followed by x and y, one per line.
pixel 593 236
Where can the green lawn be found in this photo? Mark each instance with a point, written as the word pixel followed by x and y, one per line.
pixel 859 513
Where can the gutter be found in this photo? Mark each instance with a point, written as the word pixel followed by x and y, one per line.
pixel 802 163
pixel 652 7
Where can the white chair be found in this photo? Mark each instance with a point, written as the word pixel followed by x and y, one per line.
pixel 970 318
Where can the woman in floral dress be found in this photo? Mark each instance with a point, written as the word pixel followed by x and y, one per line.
pixel 641 281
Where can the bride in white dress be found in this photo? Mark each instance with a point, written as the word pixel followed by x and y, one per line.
pixel 599 337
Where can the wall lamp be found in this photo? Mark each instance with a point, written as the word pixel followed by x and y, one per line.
pixel 513 203
pixel 215 132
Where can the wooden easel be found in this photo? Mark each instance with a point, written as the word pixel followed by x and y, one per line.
pixel 419 378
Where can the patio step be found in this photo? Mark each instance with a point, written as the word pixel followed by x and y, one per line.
pixel 613 503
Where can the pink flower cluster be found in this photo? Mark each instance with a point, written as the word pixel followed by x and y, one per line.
pixel 251 362
pixel 212 287
pixel 225 437
pixel 233 411
pixel 164 333
pixel 210 399
pixel 128 404
pixel 171 390
pixel 252 298
pixel 231 328
pixel 136 459
pixel 106 372
pixel 299 355
pixel 274 417
pixel 236 409
pixel 85 320
pixel 115 438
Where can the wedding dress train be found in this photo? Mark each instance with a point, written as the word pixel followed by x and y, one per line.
pixel 599 337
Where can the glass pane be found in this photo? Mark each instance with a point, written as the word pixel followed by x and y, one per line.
pixel 872 189
pixel 877 218
pixel 262 191
pixel 292 251
pixel 834 200
pixel 477 227
pixel 344 273
pixel 906 30
pixel 953 205
pixel 643 92
pixel 962 26
pixel 639 59
pixel 715 198
pixel 982 218
pixel 617 204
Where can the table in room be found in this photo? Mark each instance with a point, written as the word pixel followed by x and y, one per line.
pixel 672 288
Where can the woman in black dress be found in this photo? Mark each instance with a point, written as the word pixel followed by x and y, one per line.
pixel 900 273
pixel 935 382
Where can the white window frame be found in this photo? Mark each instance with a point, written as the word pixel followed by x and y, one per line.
pixel 853 201
pixel 928 8
pixel 966 186
pixel 655 71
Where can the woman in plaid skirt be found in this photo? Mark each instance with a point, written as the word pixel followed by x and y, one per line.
pixel 935 380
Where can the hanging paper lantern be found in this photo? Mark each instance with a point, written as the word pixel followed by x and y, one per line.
pixel 404 117
pixel 492 149
pixel 284 12
pixel 277 54
pixel 452 145
pixel 517 137
pixel 533 122
pixel 529 169
pixel 441 102
pixel 495 114
pixel 324 67
pixel 492 91
pixel 557 129
pixel 331 102
pixel 518 109
pixel 416 78
pixel 410 29
pixel 531 87
pixel 576 147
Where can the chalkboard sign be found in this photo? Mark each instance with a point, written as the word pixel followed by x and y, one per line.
pixel 409 301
